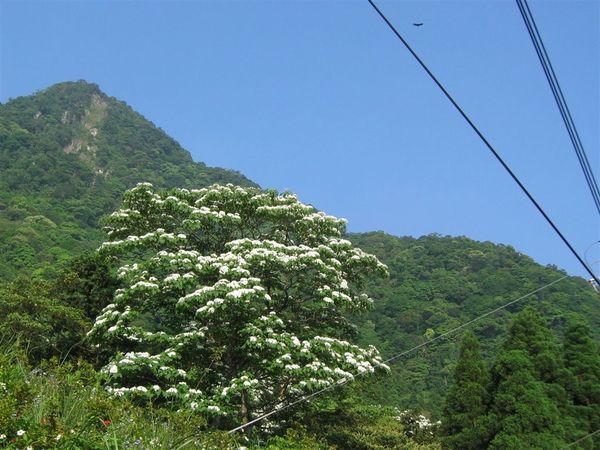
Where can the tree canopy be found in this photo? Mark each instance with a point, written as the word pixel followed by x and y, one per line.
pixel 234 299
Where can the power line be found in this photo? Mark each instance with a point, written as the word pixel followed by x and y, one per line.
pixel 591 266
pixel 565 113
pixel 484 140
pixel 580 439
pixel 559 98
pixel 395 357
pixel 460 327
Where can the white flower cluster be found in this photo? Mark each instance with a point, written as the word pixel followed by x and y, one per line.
pixel 416 422
pixel 244 383
pixel 154 237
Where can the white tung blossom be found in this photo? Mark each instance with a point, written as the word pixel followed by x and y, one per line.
pixel 229 274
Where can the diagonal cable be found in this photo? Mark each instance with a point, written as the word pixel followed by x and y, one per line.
pixel 344 381
pixel 558 95
pixel 581 439
pixel 485 141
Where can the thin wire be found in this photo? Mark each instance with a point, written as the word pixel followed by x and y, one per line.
pixel 454 330
pixel 484 140
pixel 563 107
pixel 586 251
pixel 585 163
pixel 580 439
pixel 556 92
pixel 395 357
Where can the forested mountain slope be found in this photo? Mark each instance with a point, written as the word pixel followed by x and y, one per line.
pixel 68 153
pixel 435 284
pixel 66 156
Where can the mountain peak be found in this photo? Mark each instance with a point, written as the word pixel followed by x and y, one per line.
pixel 72 96
pixel 67 153
pixel 107 135
pixel 70 87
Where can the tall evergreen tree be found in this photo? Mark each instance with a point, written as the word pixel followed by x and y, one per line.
pixel 530 407
pixel 467 399
pixel 522 415
pixel 530 333
pixel 582 361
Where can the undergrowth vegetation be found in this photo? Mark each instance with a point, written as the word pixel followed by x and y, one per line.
pixel 63 406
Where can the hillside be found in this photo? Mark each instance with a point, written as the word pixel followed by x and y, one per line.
pixel 67 154
pixel 435 284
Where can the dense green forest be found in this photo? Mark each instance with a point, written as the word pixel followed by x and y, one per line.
pixel 67 156
pixel 536 394
pixel 437 283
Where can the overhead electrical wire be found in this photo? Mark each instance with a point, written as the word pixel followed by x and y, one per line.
pixel 586 252
pixel 395 357
pixel 485 141
pixel 581 439
pixel 557 92
pixel 565 113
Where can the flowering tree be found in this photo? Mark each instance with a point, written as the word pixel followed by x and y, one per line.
pixel 234 299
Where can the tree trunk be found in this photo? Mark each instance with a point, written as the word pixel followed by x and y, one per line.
pixel 245 410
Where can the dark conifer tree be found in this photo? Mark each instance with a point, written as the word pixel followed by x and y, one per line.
pixel 467 399
pixel 582 361
pixel 530 407
pixel 530 333
pixel 522 415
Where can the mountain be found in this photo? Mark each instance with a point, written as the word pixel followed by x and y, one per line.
pixel 437 283
pixel 67 154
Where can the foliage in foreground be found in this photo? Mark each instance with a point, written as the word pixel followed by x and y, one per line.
pixel 343 420
pixel 45 325
pixel 63 406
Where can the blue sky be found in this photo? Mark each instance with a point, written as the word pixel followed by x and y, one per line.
pixel 318 97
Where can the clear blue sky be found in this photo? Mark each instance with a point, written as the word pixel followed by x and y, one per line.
pixel 321 99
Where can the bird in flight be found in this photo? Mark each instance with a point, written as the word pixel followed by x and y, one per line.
pixel 419 24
